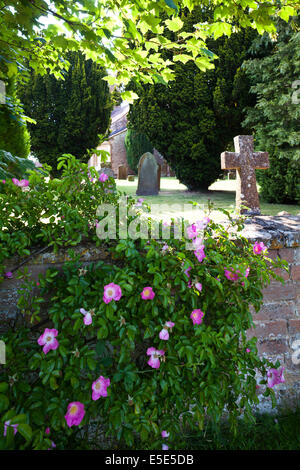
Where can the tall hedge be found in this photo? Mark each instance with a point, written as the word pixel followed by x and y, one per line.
pixel 276 116
pixel 70 113
pixel 14 136
pixel 193 119
pixel 136 144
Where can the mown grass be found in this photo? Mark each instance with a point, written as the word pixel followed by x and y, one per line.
pixel 221 193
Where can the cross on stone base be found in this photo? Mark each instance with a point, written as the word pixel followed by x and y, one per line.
pixel 245 161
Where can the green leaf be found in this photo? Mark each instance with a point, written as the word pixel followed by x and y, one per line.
pixel 25 430
pixel 174 25
pixel 171 4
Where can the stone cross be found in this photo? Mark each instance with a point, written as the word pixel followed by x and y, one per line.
pixel 244 160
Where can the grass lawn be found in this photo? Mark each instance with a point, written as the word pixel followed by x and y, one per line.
pixel 221 193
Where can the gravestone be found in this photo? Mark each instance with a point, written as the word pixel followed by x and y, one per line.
pixel 147 176
pixel 122 172
pixel 130 178
pixel 158 176
pixel 245 161
pixel 107 171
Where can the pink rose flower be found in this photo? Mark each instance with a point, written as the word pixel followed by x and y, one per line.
pixel 258 248
pixel 191 231
pixel 48 340
pixel 202 224
pixel 7 424
pixel 147 293
pixel 199 253
pixel 103 177
pixel 165 434
pixel 47 431
pixel 9 274
pixel 198 286
pixel 99 387
pixel 275 376
pixel 197 316
pixel 21 183
pixel 164 334
pixel 75 413
pixel 155 355
pixel 87 316
pixel 232 276
pixel 186 272
pixel 112 292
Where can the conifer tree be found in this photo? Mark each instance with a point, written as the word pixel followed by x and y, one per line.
pixel 70 113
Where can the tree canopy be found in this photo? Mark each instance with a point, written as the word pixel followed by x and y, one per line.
pixel 113 33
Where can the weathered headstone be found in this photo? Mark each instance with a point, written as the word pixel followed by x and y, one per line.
pixel 122 172
pixel 130 178
pixel 245 161
pixel 158 176
pixel 147 176
pixel 108 171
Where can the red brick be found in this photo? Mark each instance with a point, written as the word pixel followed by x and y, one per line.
pixel 295 272
pixel 294 326
pixel 278 291
pixel 278 346
pixel 288 254
pixel 265 329
pixel 282 273
pixel 273 254
pixel 276 310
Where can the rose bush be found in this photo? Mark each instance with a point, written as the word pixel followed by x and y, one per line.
pixel 136 349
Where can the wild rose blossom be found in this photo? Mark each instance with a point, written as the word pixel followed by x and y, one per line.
pixel 191 231
pixel 147 293
pixel 99 387
pixel 112 292
pixel 87 316
pixel 103 177
pixel 75 413
pixel 48 340
pixel 198 244
pixel 7 425
pixel 202 224
pixel 20 183
pixel 197 316
pixel 165 434
pixel 9 274
pixel 235 275
pixel 275 377
pixel 199 253
pixel 164 334
pixel 258 248
pixel 155 355
pixel 139 202
pixel 186 272
pixel 165 447
pixel 198 286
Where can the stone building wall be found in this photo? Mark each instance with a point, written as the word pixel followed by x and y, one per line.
pixel 277 323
